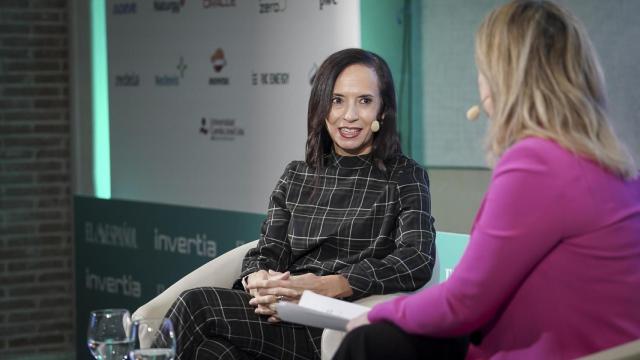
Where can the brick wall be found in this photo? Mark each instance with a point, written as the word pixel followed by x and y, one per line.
pixel 36 276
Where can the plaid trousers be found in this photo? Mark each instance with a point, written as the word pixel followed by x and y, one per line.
pixel 218 323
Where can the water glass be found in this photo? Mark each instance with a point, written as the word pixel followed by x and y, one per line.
pixel 153 339
pixel 108 334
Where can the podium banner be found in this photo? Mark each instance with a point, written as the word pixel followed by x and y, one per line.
pixel 127 252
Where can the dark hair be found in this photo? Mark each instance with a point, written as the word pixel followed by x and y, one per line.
pixel 386 142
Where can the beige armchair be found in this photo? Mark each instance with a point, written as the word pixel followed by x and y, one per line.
pixel 225 269
pixel 222 272
pixel 628 351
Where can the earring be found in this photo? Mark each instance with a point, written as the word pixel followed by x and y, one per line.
pixel 375 126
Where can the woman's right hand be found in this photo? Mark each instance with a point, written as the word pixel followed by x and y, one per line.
pixel 265 303
pixel 253 277
pixel 358 321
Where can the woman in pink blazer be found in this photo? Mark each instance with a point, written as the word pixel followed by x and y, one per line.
pixel 552 269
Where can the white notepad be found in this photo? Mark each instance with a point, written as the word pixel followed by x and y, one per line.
pixel 320 311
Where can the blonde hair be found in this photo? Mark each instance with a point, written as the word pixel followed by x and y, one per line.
pixel 546 81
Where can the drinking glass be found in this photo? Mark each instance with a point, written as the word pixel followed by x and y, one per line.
pixel 108 334
pixel 153 339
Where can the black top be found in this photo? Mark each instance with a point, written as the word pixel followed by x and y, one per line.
pixel 373 227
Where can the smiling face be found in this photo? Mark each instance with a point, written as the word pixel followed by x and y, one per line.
pixel 355 104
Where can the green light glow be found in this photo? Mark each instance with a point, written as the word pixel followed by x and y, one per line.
pixel 100 101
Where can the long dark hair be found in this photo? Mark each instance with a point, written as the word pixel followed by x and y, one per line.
pixel 386 142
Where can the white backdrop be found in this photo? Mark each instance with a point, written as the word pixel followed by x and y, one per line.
pixel 176 138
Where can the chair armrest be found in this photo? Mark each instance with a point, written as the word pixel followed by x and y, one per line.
pixel 331 339
pixel 219 272
pixel 627 351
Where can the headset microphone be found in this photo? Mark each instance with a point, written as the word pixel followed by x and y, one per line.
pixel 473 113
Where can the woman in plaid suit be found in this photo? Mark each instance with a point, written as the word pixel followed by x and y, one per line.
pixel 350 221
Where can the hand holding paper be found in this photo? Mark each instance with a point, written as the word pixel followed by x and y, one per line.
pixel 320 311
pixel 361 320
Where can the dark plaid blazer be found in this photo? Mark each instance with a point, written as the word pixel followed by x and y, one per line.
pixel 374 227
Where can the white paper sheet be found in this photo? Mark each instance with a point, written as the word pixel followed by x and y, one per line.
pixel 320 311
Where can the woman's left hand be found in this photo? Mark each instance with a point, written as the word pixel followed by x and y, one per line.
pixel 357 322
pixel 329 285
pixel 290 288
pixel 266 303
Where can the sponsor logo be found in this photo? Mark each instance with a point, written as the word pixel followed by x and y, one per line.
pixel 269 78
pixel 125 285
pixel 124 8
pixel 167 80
pixel 324 3
pixel 172 79
pixel 218 62
pixel 111 235
pixel 182 67
pixel 271 6
pixel 173 6
pixel 218 3
pixel 127 79
pixel 218 81
pixel 179 244
pixel 220 129
pixel 204 129
pixel 312 73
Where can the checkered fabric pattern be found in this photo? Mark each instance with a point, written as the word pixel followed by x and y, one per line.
pixel 216 323
pixel 373 227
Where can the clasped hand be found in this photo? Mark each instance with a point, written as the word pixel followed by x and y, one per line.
pixel 269 287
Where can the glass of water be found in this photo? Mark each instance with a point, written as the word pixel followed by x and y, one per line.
pixel 153 339
pixel 108 334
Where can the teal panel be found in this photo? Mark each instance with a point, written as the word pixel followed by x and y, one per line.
pixel 391 29
pixel 100 100
pixel 415 117
pixel 127 252
pixel 450 247
pixel 381 29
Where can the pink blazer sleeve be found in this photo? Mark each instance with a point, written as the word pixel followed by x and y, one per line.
pixel 522 217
